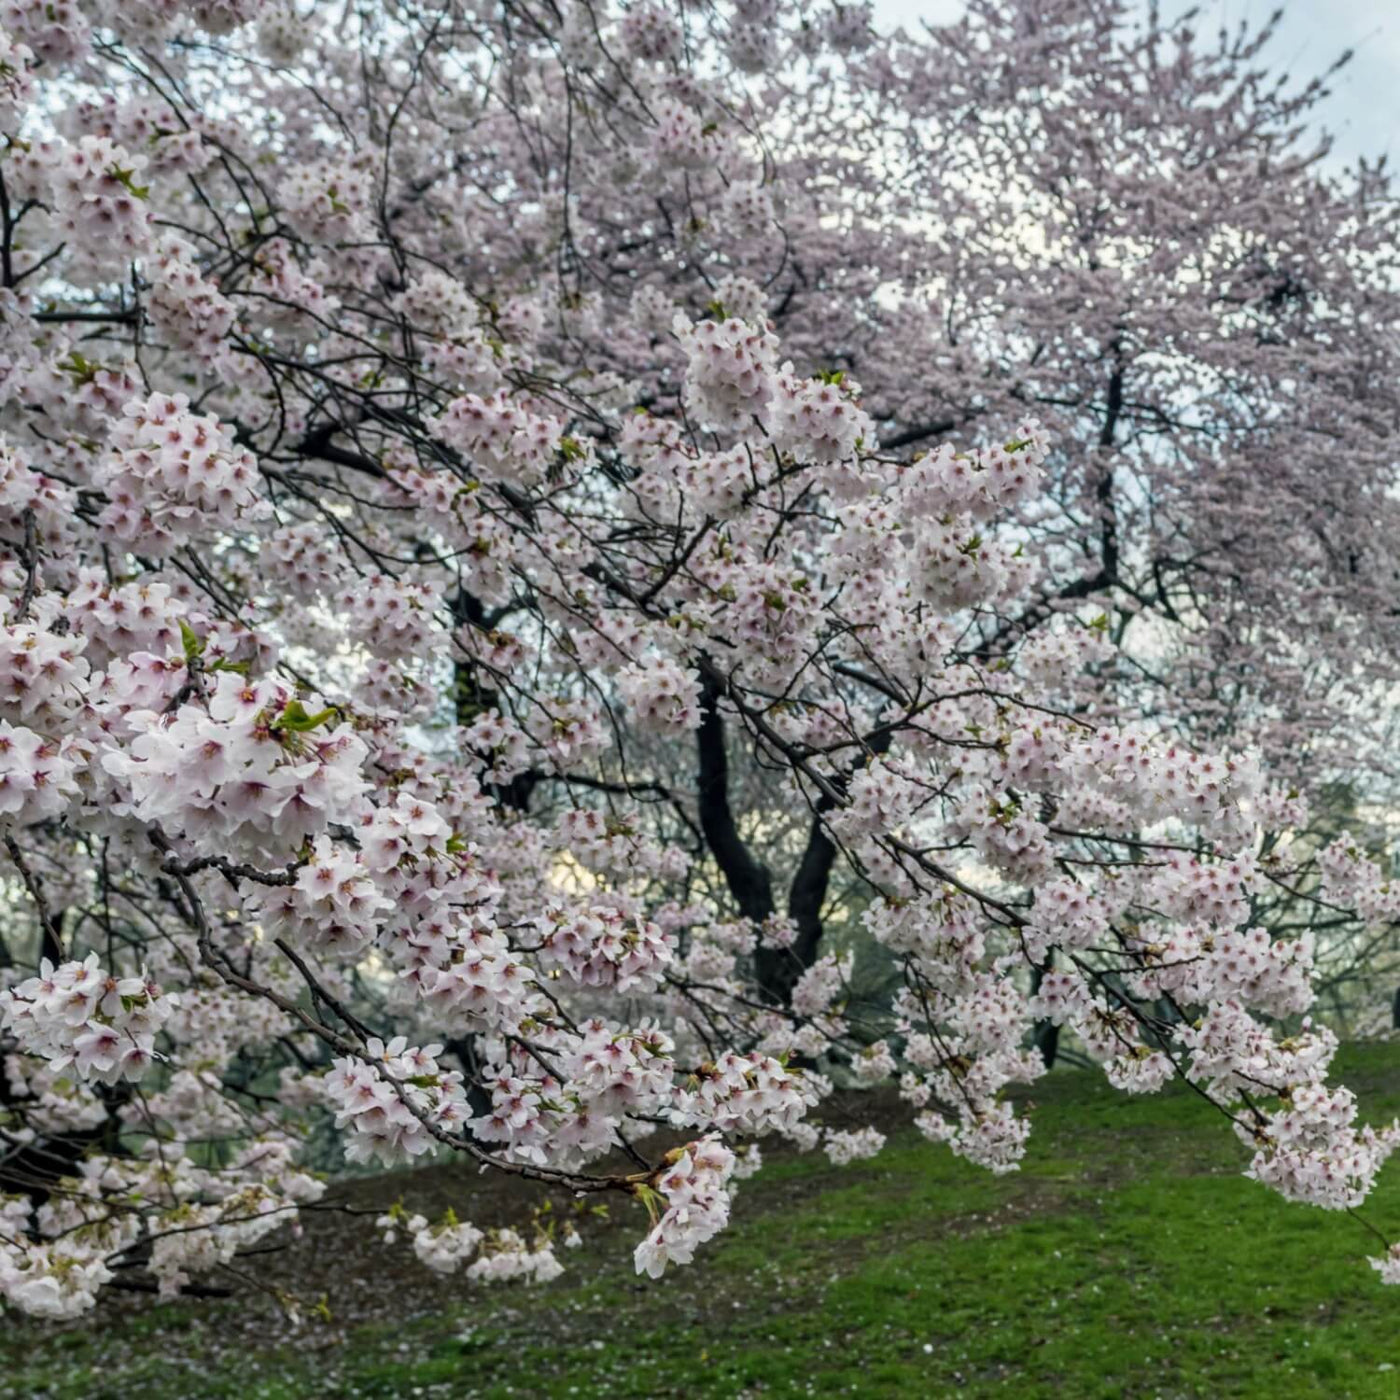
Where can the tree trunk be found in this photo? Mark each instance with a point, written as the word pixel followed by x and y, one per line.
pixel 1045 1035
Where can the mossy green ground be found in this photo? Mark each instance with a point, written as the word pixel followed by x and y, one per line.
pixel 1127 1258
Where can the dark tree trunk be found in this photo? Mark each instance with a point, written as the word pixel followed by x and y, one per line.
pixel 33 1168
pixel 747 877
pixel 779 968
pixel 1045 1035
pixel 471 697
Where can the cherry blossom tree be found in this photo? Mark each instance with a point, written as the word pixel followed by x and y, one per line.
pixel 505 511
pixel 1143 236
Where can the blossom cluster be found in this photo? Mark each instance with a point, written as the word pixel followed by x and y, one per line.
pixel 694 1190
pixel 79 1015
pixel 394 1101
pixel 170 474
pixel 246 773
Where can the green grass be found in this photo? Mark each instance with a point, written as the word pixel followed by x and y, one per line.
pixel 1127 1258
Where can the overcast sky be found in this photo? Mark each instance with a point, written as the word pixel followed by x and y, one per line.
pixel 1364 109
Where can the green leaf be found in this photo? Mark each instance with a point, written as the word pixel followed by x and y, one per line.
pixel 193 644
pixel 654 1201
pixel 79 368
pixel 124 177
pixel 295 720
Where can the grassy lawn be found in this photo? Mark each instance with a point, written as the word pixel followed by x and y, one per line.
pixel 1127 1258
